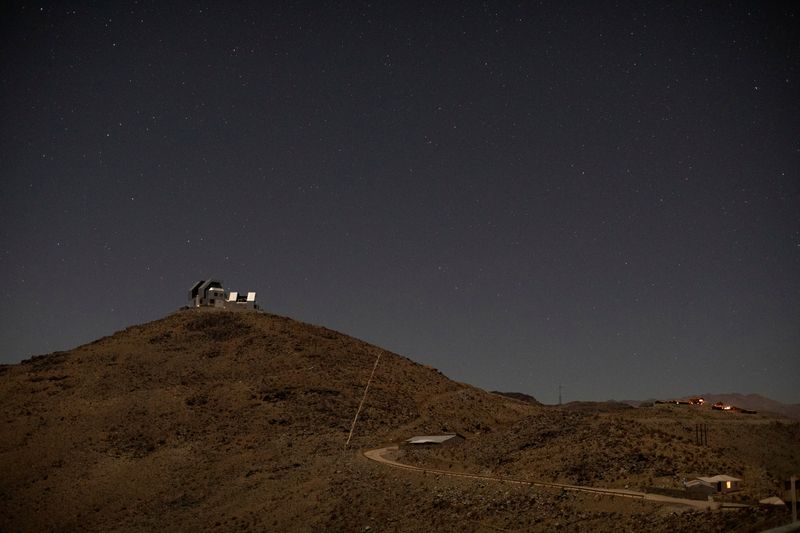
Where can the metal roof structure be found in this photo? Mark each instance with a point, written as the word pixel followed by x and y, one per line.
pixel 772 500
pixel 717 479
pixel 431 439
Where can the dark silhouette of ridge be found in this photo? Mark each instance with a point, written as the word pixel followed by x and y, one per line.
pixel 527 398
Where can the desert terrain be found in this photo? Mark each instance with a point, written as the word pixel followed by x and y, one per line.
pixel 225 421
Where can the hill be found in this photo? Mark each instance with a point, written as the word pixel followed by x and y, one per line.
pixel 209 417
pixel 217 421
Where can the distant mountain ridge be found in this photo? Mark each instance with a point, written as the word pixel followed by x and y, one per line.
pixel 527 398
pixel 756 402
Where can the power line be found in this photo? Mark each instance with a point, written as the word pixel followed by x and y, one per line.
pixel 360 405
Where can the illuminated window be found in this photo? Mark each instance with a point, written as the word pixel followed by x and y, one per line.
pixel 727 484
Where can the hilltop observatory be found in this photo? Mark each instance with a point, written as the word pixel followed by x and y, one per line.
pixel 211 293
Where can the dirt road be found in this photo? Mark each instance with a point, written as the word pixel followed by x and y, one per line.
pixel 383 456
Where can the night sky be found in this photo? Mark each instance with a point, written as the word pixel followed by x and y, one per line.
pixel 601 195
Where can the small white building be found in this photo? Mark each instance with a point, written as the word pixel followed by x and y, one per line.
pixel 211 293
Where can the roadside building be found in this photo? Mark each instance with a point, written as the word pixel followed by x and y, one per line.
pixel 696 487
pixel 772 501
pixel 720 484
pixel 430 441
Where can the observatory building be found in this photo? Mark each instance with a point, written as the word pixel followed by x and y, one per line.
pixel 211 293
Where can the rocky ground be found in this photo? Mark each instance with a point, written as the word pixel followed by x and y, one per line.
pixel 408 501
pixel 635 448
pixel 224 421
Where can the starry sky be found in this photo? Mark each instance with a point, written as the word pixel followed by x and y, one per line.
pixel 603 195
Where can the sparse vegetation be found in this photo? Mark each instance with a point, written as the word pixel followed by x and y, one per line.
pixel 215 420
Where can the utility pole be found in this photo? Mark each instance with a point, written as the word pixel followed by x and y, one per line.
pixel 559 394
pixel 701 434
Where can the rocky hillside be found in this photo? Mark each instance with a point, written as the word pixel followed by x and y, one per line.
pixel 209 417
pixel 637 448
pixel 211 420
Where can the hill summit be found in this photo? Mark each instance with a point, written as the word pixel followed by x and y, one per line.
pixel 209 416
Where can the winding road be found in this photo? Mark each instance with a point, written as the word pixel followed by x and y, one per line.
pixel 382 455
